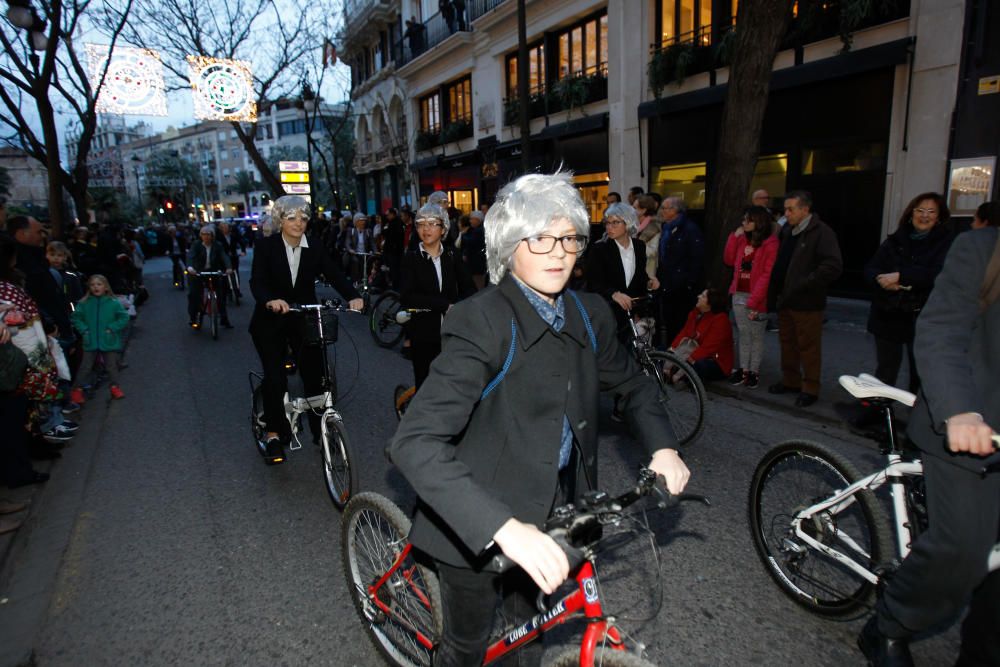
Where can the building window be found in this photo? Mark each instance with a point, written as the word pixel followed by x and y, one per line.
pixel 536 71
pixel 430 113
pixel 594 192
pixel 583 49
pixel 460 101
pixel 688 20
pixel 223 154
pixel 289 127
pixel 225 173
pixel 686 181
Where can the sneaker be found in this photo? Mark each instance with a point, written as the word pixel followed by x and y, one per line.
pixel 751 380
pixel 70 426
pixel 116 392
pixel 76 396
pixel 274 452
pixel 737 377
pixel 57 435
pixel 194 325
pixel 71 407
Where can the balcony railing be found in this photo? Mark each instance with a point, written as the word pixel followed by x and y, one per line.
pixel 563 95
pixel 454 131
pixel 477 8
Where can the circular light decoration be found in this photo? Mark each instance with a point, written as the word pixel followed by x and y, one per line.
pixel 133 80
pixel 222 89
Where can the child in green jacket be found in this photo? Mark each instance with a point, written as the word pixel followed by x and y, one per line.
pixel 100 319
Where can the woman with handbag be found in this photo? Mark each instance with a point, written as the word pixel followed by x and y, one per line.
pixel 902 274
pixel 706 341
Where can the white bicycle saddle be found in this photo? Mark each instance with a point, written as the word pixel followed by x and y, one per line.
pixel 869 386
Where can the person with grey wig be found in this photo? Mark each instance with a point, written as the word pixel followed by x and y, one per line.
pixel 209 255
pixel 504 426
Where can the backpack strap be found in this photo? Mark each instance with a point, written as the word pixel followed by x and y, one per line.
pixel 990 291
pixel 586 319
pixel 506 364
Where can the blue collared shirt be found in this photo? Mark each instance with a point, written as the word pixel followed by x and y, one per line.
pixel 555 317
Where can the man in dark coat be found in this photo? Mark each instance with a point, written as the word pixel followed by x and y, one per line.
pixel 392 245
pixel 681 266
pixel 956 415
pixel 808 262
pixel 39 282
pixel 209 255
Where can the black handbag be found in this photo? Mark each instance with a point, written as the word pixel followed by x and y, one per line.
pixel 13 363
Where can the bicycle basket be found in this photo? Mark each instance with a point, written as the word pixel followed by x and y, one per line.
pixel 330 328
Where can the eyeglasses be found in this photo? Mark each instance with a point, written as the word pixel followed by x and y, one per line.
pixel 427 224
pixel 543 245
pixel 746 221
pixel 612 223
pixel 925 211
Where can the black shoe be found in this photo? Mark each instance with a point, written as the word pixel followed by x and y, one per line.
pixel 804 400
pixel 751 380
pixel 883 651
pixel 736 377
pixel 274 452
pixel 32 478
pixel 226 324
pixel 779 388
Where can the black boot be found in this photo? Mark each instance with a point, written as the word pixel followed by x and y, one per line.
pixel 883 651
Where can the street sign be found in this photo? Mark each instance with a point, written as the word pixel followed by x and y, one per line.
pixel 293 165
pixel 294 177
pixel 296 188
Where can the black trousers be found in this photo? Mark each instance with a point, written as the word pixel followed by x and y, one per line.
pixel 272 345
pixel 948 565
pixel 422 353
pixel 889 359
pixel 674 309
pixel 194 297
pixel 15 466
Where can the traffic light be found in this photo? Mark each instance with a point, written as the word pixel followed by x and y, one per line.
pixel 169 205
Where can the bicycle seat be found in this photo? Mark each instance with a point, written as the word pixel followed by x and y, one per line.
pixel 869 386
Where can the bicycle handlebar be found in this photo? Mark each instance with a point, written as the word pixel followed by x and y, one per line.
pixel 364 254
pixel 404 315
pixel 325 304
pixel 577 529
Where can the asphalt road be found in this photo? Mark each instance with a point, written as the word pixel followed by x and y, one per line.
pixel 163 539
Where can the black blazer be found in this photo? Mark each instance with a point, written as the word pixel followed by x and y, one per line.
pixel 199 260
pixel 271 277
pixel 606 275
pixel 477 463
pixel 420 290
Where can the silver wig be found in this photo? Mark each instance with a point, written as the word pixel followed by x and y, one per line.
pixel 626 213
pixel 207 229
pixel 287 206
pixel 438 197
pixel 526 208
pixel 431 211
pixel 360 216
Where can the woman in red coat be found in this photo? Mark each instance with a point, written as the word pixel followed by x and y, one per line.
pixel 751 251
pixel 708 326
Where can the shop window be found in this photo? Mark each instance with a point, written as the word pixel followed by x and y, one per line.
pixel 686 21
pixel 686 181
pixel 594 192
pixel 460 101
pixel 771 174
pixel 430 113
pixel 463 200
pixel 536 71
pixel 844 157
pixel 583 49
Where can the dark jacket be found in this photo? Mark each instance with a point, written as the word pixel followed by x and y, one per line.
pixel 918 261
pixel 199 259
pixel 682 256
pixel 43 288
pixel 606 275
pixel 392 235
pixel 420 290
pixel 477 463
pixel 814 264
pixel 958 348
pixel 474 249
pixel 271 278
pixel 233 245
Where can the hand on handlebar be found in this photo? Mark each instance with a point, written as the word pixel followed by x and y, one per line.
pixel 968 433
pixel 356 304
pixel 667 462
pixel 279 306
pixel 191 271
pixel 536 553
pixel 623 300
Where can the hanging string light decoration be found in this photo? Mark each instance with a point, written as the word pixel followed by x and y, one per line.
pixel 133 84
pixel 222 89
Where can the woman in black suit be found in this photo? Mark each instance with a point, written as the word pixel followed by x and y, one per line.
pixel 284 271
pixel 433 278
pixel 616 266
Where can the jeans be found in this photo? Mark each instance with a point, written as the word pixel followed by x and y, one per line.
pixel 751 334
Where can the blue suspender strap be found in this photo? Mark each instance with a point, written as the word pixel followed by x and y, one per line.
pixel 586 319
pixel 506 364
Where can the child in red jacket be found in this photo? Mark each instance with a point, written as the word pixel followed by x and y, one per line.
pixel 708 326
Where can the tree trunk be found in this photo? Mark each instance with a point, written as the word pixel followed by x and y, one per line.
pixel 760 26
pixel 523 87
pixel 271 180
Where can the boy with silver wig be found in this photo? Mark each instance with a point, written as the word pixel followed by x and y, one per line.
pixel 504 427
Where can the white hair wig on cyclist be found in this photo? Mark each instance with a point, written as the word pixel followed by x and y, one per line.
pixel 526 208
pixel 430 211
pixel 208 229
pixel 288 206
pixel 360 216
pixel 438 197
pixel 626 213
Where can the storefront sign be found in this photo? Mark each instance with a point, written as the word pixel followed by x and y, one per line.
pixel 970 183
pixel 989 85
pixel 293 165
pixel 294 177
pixel 296 188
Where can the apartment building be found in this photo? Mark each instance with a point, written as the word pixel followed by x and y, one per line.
pixel 630 92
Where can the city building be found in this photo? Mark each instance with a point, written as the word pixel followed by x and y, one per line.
pixel 630 92
pixel 29 182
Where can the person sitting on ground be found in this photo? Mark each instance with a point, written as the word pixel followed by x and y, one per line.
pixel 987 215
pixel 209 255
pixel 100 319
pixel 706 340
pixel 480 494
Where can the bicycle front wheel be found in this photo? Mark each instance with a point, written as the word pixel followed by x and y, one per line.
pixel 682 391
pixel 338 470
pixel 213 305
pixel 403 616
pixel 382 321
pixel 790 478
pixel 604 656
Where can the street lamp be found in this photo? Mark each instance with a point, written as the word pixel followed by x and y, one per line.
pixel 20 14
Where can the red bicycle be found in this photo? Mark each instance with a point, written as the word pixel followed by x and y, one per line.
pixel 210 300
pixel 400 604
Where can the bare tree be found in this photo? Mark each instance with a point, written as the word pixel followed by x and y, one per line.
pixel 51 78
pixel 276 36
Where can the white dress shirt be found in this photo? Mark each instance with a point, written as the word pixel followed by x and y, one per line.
pixel 435 260
pixel 294 257
pixel 628 259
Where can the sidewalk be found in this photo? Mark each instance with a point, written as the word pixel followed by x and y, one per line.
pixel 848 349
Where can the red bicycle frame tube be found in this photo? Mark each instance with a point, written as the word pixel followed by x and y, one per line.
pixel 584 600
pixel 207 288
pixel 407 574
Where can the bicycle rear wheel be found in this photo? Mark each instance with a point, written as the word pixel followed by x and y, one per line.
pixel 234 288
pixel 213 305
pixel 683 393
pixel 603 657
pixel 338 470
pixel 374 533
pixel 382 322
pixel 791 477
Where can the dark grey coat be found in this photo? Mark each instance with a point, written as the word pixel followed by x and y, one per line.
pixel 816 262
pixel 475 464
pixel 958 349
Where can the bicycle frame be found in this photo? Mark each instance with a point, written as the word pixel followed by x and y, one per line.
pixel 207 289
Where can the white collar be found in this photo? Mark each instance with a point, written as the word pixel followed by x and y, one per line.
pixel 303 242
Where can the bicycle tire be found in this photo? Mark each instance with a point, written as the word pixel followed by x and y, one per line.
pixel 684 397
pixel 373 533
pixel 235 291
pixel 339 471
pixel 604 656
pixel 257 425
pixel 810 578
pixel 213 305
pixel 382 321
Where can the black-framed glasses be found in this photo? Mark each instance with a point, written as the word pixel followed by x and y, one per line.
pixel 613 222
pixel 427 224
pixel 544 244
